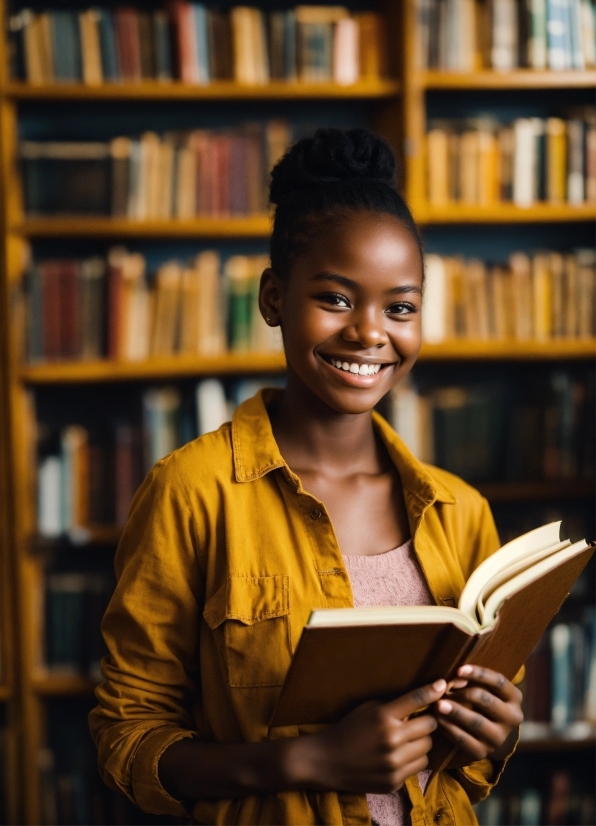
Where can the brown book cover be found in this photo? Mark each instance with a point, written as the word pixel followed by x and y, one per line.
pixel 337 667
pixel 221 57
pixel 70 310
pixel 146 45
pixel 128 45
pixel 50 276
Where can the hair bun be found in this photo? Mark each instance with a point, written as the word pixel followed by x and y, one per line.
pixel 332 156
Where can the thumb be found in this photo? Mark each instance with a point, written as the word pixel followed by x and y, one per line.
pixel 417 699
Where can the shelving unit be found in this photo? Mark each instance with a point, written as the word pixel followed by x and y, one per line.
pixel 400 107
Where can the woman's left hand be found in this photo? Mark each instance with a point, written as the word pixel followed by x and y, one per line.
pixel 481 719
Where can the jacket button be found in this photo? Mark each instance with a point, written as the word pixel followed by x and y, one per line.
pixel 438 817
pixel 315 514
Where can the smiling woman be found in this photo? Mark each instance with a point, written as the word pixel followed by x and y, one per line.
pixel 235 538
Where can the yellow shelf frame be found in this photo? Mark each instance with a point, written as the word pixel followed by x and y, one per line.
pixel 374 88
pixel 63 685
pixel 518 79
pixel 250 226
pixel 502 213
pixel 78 372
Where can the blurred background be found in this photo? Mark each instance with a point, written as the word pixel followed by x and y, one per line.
pixel 135 148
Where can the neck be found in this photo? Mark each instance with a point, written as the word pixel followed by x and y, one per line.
pixel 313 436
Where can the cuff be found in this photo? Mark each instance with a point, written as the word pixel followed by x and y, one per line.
pixel 478 779
pixel 147 790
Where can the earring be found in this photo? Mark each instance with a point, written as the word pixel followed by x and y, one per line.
pixel 268 320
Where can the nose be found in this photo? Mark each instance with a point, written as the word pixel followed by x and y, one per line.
pixel 367 328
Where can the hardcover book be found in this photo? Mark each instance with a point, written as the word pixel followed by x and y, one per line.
pixel 346 656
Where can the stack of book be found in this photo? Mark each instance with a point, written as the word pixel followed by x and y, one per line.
pixel 467 35
pixel 203 172
pixel 481 161
pixel 563 799
pixel 95 308
pixel 543 296
pixel 492 431
pixel 560 686
pixel 86 477
pixel 197 45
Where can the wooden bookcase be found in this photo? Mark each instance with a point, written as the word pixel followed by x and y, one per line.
pixel 399 105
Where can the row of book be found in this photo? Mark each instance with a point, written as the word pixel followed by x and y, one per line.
pixel 544 296
pixel 502 431
pixel 87 476
pixel 72 605
pixel 531 160
pixel 204 172
pixel 96 307
pixel 563 801
pixel 468 35
pixel 194 44
pixel 560 684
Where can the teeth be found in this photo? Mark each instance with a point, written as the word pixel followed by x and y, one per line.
pixel 356 369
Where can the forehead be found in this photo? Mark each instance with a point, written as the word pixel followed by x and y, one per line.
pixel 364 245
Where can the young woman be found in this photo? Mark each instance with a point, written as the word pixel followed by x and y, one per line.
pixel 307 499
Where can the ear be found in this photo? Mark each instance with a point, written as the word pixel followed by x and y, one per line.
pixel 270 297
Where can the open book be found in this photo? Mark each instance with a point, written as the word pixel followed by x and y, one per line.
pixel 348 655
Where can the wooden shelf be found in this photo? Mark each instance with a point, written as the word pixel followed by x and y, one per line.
pixel 502 213
pixel 536 491
pixel 63 685
pixel 94 535
pixel 250 226
pixel 251 363
pixel 465 350
pixel 218 90
pixel 536 737
pixel 519 79
pixel 174 367
pixel 5 693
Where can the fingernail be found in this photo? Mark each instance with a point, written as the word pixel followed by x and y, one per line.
pixel 445 706
pixel 465 670
pixel 440 685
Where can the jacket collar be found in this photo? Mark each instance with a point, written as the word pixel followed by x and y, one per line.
pixel 256 451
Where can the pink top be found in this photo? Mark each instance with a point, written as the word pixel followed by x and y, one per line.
pixel 390 578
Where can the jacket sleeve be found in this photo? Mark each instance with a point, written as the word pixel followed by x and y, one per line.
pixel 151 629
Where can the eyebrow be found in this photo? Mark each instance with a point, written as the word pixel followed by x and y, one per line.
pixel 347 282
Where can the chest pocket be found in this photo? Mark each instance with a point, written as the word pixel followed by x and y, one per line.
pixel 250 619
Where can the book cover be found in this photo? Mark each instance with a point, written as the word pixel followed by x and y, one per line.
pixel 107 41
pixel 66 46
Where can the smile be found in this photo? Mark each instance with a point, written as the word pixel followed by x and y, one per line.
pixel 354 368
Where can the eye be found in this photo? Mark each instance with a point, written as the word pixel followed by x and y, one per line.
pixel 401 308
pixel 334 299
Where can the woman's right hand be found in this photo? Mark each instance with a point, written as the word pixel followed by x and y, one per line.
pixel 372 750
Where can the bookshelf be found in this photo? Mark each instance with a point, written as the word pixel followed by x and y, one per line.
pixel 397 108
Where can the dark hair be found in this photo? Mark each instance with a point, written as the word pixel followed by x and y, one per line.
pixel 321 179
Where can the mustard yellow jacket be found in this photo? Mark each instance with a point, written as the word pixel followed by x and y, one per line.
pixel 223 558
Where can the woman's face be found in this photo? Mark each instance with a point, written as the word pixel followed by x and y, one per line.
pixel 350 310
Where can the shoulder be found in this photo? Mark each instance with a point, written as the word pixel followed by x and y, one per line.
pixel 198 466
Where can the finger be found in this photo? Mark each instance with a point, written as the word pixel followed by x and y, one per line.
pixel 403 754
pixel 410 770
pixel 471 721
pixel 463 740
pixel 489 705
pixel 418 727
pixel 417 699
pixel 498 683
pixel 455 684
